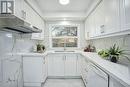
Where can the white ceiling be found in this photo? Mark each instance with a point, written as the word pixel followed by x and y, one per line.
pixel 74 8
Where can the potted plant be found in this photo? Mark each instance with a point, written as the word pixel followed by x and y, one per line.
pixel 40 48
pixel 114 53
pixel 104 54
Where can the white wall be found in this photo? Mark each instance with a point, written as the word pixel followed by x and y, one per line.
pixel 82 38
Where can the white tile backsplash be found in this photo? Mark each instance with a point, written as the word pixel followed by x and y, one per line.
pixel 12 42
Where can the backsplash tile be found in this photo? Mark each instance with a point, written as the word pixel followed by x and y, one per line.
pixel 12 42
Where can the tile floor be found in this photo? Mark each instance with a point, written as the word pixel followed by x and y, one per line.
pixel 64 83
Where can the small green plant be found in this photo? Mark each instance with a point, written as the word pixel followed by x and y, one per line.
pixel 113 54
pixel 115 51
pixel 104 54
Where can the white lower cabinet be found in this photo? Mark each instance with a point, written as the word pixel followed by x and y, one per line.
pixel 55 65
pixel 70 64
pixel 34 71
pixel 12 72
pixel 62 65
pixel 115 83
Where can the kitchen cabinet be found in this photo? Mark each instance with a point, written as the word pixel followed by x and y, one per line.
pixel 19 9
pixel 96 77
pixel 92 27
pixel 32 17
pixel 62 65
pixel 79 63
pixel 87 33
pixel 105 20
pixel 125 14
pixel 112 16
pixel 115 83
pixel 70 64
pixel 0 70
pixel 84 69
pixel 12 72
pixel 55 65
pixel 34 71
pixel 99 20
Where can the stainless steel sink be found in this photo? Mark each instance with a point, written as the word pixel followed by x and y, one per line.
pixel 65 51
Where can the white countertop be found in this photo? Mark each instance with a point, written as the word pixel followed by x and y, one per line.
pixel 119 72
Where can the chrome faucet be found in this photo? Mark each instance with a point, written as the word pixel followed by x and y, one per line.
pixel 64 47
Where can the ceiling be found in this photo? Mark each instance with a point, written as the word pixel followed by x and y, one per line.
pixel 76 8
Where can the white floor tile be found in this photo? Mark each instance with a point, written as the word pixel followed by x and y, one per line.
pixel 64 83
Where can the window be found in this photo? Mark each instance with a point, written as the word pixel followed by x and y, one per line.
pixel 64 36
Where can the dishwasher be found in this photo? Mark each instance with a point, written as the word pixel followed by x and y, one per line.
pixel 97 77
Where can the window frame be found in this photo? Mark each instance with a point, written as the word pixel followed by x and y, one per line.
pixel 70 25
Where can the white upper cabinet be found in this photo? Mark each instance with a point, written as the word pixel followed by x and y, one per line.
pixel 125 14
pixel 112 16
pixel 19 9
pixel 87 36
pixel 99 19
pixel 92 28
pixel 32 17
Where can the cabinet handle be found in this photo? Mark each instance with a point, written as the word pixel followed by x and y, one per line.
pixel 23 14
pixel 65 57
pixel 102 28
pixel 44 60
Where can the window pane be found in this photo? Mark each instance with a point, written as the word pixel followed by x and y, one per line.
pixel 64 31
pixel 71 42
pixel 58 42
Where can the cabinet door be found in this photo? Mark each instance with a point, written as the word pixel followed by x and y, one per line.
pixel 92 31
pixel 87 29
pixel 56 65
pixel 33 69
pixel 125 14
pixel 19 8
pixel 112 16
pixel 99 19
pixel 115 83
pixel 0 70
pixel 79 62
pixel 50 64
pixel 70 64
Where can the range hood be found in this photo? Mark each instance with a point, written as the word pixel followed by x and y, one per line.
pixel 13 23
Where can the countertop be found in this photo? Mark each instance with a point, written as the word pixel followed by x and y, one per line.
pixel 118 71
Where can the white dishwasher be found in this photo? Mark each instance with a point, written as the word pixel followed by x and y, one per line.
pixel 96 77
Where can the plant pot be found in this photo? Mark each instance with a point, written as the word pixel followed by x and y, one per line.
pixel 114 59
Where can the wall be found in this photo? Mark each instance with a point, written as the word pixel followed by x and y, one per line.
pixel 9 65
pixel 105 43
pixel 82 38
